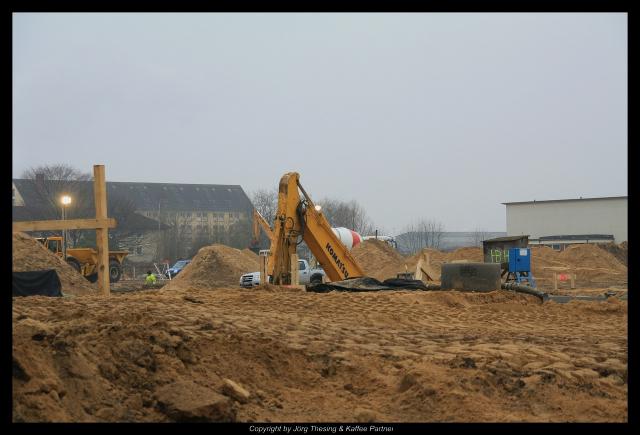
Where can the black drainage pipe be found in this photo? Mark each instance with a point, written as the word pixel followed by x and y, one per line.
pixel 508 286
pixel 525 289
pixel 432 286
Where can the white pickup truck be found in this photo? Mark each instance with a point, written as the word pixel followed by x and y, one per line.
pixel 306 275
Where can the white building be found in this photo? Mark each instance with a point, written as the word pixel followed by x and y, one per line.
pixel 565 221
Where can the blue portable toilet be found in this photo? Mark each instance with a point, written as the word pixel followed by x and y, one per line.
pixel 520 266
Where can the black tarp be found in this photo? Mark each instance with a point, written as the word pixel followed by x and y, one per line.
pixel 367 284
pixel 36 283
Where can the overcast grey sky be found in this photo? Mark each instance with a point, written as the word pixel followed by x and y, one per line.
pixel 440 116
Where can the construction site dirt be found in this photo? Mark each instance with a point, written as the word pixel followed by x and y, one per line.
pixel 192 352
pixel 387 356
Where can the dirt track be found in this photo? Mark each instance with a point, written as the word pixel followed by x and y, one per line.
pixel 386 356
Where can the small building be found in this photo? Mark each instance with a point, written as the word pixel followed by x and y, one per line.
pixel 561 222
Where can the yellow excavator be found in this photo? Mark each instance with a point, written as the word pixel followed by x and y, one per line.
pixel 299 219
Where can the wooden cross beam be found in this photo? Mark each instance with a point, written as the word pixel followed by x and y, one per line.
pixel 69 224
pixel 101 224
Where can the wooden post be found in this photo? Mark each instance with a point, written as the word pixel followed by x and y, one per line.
pixel 424 271
pixel 555 280
pixel 102 234
pixel 101 224
pixel 418 274
pixel 264 279
pixel 295 280
pixel 573 280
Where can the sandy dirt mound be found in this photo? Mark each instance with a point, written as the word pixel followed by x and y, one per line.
pixel 215 266
pixel 620 251
pixel 238 355
pixel 592 265
pixel 30 255
pixel 378 259
pixel 466 299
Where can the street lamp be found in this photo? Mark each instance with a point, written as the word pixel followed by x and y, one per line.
pixel 65 200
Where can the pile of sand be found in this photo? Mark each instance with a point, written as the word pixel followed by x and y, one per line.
pixel 215 266
pixel 378 259
pixel 620 251
pixel 31 255
pixel 591 264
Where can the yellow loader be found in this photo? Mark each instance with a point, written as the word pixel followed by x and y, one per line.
pixel 85 260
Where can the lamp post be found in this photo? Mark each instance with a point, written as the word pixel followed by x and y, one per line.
pixel 66 200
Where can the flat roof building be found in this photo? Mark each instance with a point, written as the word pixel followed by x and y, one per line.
pixel 567 221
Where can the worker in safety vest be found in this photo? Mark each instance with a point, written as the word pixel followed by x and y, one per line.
pixel 150 279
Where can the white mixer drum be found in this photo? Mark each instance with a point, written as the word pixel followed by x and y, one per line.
pixel 348 237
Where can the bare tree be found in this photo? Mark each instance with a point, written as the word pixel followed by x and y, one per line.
pixel 347 214
pixel 204 237
pixel 177 240
pixel 479 235
pixel 432 231
pixel 58 171
pixel 266 202
pixel 411 240
pixel 240 234
pixel 422 233
pixel 50 183
pixel 123 209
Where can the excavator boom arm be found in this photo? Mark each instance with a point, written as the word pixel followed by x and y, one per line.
pixel 298 219
pixel 261 222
